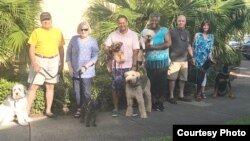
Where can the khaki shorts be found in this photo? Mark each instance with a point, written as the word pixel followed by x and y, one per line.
pixel 178 70
pixel 48 72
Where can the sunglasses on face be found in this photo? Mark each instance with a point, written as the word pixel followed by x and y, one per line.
pixel 85 29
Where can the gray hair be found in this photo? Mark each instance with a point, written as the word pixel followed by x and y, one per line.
pixel 84 23
pixel 155 14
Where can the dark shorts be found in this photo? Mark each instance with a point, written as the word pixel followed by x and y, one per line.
pixel 118 82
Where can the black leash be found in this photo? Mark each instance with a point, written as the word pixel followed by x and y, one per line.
pixel 46 72
pixel 51 76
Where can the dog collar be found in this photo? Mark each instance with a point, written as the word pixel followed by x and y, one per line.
pixel 16 100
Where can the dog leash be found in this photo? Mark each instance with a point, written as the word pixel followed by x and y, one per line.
pixel 16 100
pixel 51 76
pixel 46 72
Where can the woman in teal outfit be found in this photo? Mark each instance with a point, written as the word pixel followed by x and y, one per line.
pixel 157 61
pixel 203 48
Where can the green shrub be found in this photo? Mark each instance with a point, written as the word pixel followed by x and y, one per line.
pixel 63 94
pixel 101 89
pixel 244 120
pixel 39 102
pixel 5 89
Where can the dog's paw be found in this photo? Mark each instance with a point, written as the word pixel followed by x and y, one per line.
pixel 28 119
pixel 23 123
pixel 5 123
pixel 144 116
pixel 149 109
pixel 82 120
pixel 214 95
pixel 232 96
pixel 128 114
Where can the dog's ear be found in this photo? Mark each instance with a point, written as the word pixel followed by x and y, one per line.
pixel 120 44
pixel 138 74
pixel 126 74
pixel 25 90
pixel 11 93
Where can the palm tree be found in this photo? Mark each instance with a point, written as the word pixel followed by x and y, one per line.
pixel 17 19
pixel 228 18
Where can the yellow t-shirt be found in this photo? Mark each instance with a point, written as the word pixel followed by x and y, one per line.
pixel 46 42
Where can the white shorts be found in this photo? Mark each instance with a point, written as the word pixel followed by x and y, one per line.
pixel 48 72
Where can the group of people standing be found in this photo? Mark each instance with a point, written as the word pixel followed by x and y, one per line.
pixel 166 60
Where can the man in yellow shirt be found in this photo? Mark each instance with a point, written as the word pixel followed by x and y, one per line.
pixel 47 56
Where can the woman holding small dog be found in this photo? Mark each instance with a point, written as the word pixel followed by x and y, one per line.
pixel 157 60
pixel 203 48
pixel 82 54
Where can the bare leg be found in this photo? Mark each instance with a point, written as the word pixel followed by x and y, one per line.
pixel 202 89
pixel 171 88
pixel 181 88
pixel 203 86
pixel 31 96
pixel 129 111
pixel 115 100
pixel 49 97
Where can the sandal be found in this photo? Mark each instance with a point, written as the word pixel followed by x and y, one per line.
pixel 78 113
pixel 50 115
pixel 184 99
pixel 114 113
pixel 203 96
pixel 198 98
pixel 172 101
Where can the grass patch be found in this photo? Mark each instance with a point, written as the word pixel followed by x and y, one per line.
pixel 242 121
pixel 166 138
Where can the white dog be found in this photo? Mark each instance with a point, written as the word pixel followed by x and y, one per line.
pixel 146 36
pixel 15 105
pixel 138 87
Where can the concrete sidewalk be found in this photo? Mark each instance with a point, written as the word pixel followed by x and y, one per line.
pixel 208 111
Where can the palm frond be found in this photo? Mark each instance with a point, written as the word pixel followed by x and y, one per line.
pixel 17 39
pixel 17 20
pixel 227 18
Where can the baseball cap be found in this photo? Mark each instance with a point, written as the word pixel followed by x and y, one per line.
pixel 44 16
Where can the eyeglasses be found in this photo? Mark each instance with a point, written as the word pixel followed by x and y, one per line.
pixel 85 29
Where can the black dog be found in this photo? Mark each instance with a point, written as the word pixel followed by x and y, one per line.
pixel 222 83
pixel 89 113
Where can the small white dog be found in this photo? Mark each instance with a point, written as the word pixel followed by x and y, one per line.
pixel 15 105
pixel 138 87
pixel 146 36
